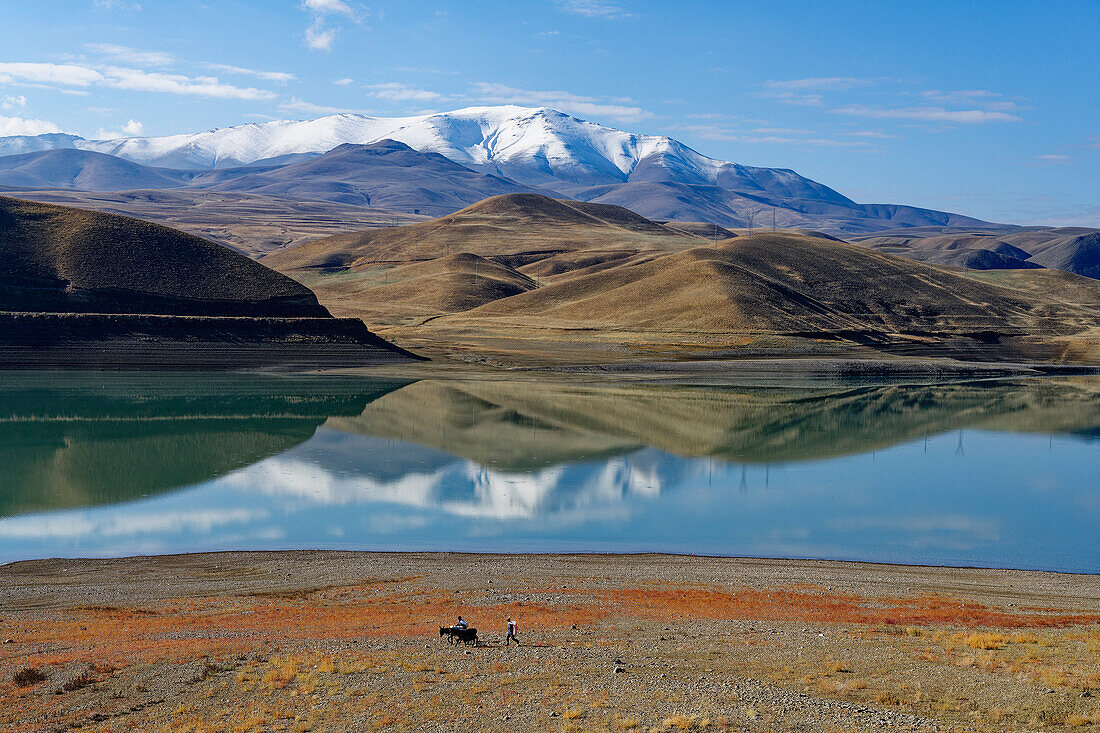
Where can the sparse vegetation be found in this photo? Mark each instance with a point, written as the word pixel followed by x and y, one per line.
pixel 372 669
pixel 28 676
pixel 80 681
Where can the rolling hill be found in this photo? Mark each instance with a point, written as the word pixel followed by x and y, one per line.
pixel 1073 249
pixel 87 288
pixel 512 148
pixel 528 272
pixel 495 248
pixel 247 222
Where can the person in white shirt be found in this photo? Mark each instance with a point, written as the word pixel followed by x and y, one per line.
pixel 511 633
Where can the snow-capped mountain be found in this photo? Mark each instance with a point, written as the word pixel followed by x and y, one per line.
pixel 529 145
pixel 521 147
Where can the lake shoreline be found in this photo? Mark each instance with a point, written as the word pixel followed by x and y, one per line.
pixel 89 576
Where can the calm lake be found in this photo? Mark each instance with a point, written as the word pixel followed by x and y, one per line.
pixel 986 473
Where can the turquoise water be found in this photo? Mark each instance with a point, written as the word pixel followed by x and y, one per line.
pixel 989 473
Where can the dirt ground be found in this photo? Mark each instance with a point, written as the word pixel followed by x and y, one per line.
pixel 330 641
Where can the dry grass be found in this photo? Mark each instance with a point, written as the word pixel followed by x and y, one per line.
pixel 350 656
pixel 28 676
pixel 986 641
pixel 79 682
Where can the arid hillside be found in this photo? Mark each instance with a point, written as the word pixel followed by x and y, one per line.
pixel 86 289
pixel 66 260
pixel 251 223
pixel 525 274
pixel 1073 249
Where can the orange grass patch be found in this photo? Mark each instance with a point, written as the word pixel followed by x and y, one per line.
pixel 788 605
pixel 191 629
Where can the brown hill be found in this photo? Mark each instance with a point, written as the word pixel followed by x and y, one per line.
pixel 87 289
pixel 1073 249
pixel 552 276
pixel 247 222
pixel 527 225
pixel 497 248
pixel 66 260
pixel 772 282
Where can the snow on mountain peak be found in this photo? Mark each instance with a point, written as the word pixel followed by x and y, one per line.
pixel 539 138
pixel 535 146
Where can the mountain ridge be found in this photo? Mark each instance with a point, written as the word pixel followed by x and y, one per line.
pixel 656 176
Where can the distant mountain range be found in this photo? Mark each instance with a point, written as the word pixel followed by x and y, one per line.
pixel 442 162
pixel 1073 249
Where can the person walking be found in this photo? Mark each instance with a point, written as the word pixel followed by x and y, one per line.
pixel 511 632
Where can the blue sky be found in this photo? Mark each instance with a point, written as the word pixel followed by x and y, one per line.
pixel 986 108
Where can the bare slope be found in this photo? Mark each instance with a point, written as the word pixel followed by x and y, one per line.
pixel 776 283
pixel 495 249
pixel 1073 249
pixel 82 288
pixel 66 260
pixel 248 222
pixel 533 269
pixel 513 224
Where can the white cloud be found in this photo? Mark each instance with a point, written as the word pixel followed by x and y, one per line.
pixel 879 134
pixel 930 113
pixel 594 9
pixel 279 76
pixel 122 77
pixel 21 126
pixel 41 73
pixel 116 5
pixel 781 131
pixel 320 35
pixel 396 92
pixel 980 97
pixel 425 70
pixel 772 136
pixel 128 55
pixel 13 102
pixel 343 82
pixel 320 38
pixel 328 6
pixel 1050 159
pixel 73 524
pixel 132 128
pixel 824 82
pixel 298 105
pixel 564 101
pixel 796 98
pixel 202 86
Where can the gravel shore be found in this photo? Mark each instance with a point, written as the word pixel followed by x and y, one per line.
pixel 349 641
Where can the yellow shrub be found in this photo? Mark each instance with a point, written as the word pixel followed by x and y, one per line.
pixel 985 641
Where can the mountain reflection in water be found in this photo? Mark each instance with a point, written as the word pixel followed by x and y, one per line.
pixel 986 473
